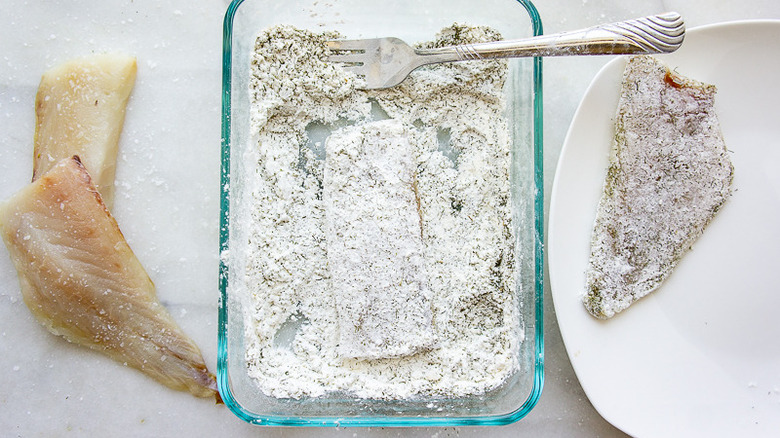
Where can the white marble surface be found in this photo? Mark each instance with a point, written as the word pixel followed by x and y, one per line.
pixel 172 134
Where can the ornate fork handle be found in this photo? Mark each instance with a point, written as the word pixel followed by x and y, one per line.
pixel 661 33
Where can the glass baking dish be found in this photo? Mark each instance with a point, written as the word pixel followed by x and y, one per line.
pixel 412 21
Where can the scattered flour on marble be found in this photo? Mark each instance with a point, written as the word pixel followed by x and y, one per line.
pixel 306 259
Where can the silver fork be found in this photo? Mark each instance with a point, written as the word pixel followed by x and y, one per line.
pixel 386 62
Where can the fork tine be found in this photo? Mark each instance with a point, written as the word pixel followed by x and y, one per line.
pixel 359 70
pixel 349 58
pixel 347 44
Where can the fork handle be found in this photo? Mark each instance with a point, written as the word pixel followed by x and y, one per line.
pixel 660 33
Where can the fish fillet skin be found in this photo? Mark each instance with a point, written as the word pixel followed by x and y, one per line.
pixel 374 242
pixel 82 281
pixel 80 110
pixel 669 174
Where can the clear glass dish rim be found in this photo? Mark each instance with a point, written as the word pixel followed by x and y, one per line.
pixel 379 421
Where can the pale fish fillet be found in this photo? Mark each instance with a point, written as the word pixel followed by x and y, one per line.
pixel 669 175
pixel 374 241
pixel 81 280
pixel 80 110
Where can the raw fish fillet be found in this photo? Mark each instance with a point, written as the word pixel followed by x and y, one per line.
pixel 81 280
pixel 669 175
pixel 80 110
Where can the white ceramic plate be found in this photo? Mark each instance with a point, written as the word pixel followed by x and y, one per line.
pixel 700 356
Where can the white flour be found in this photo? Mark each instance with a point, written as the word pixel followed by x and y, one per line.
pixel 323 252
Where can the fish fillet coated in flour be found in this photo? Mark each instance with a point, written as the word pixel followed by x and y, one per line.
pixel 374 237
pixel 81 280
pixel 669 174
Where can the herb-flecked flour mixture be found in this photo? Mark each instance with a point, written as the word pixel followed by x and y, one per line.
pixel 380 251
